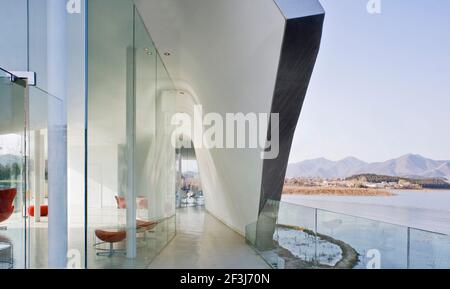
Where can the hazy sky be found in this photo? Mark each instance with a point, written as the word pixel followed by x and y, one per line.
pixel 381 86
pixel 11 144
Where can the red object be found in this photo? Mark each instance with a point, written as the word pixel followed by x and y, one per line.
pixel 120 202
pixel 111 235
pixel 146 225
pixel 6 203
pixel 115 235
pixel 142 203
pixel 44 211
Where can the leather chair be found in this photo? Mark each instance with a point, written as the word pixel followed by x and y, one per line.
pixel 116 235
pixel 120 202
pixel 7 197
pixel 44 210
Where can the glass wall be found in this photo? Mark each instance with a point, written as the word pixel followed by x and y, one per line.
pixel 131 163
pixel 13 190
pixel 26 48
pixel 41 108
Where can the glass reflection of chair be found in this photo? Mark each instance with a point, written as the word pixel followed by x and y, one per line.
pixel 144 228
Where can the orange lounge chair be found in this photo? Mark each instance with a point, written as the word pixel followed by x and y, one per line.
pixel 117 235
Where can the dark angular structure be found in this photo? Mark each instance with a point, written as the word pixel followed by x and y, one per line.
pixel 301 43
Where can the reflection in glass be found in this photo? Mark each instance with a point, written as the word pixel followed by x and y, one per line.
pixel 367 238
pixel 131 162
pixel 39 125
pixel 428 250
pixel 12 171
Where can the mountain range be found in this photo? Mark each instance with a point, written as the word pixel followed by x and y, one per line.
pixel 410 165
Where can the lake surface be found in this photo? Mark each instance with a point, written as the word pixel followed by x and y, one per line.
pixel 426 210
pixel 380 223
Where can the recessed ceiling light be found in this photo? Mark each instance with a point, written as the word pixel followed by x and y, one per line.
pixel 167 53
pixel 147 51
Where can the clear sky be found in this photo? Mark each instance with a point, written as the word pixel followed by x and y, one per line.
pixel 381 86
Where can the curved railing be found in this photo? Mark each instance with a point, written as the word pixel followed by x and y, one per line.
pixel 307 237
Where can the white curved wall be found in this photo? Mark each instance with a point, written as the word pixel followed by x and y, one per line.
pixel 226 53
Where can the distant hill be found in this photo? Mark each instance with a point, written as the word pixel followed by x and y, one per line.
pixel 408 166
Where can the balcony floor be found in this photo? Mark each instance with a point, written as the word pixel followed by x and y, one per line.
pixel 203 242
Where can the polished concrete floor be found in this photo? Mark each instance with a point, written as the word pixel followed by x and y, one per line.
pixel 203 242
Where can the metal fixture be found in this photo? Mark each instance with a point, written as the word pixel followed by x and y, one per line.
pixel 28 75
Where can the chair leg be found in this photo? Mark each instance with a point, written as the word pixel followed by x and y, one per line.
pixel 110 252
pixel 111 249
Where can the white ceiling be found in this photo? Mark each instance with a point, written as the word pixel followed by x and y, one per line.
pixel 226 54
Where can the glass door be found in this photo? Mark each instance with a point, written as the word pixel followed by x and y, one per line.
pixel 131 162
pixel 13 188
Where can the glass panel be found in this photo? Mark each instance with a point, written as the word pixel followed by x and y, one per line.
pixel 165 164
pixel 131 162
pixel 110 65
pixel 295 236
pixel 266 234
pixel 154 169
pixel 145 146
pixel 428 250
pixel 377 244
pixel 40 105
pixel 291 242
pixel 313 238
pixel 12 172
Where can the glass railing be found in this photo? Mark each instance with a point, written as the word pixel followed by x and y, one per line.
pixel 306 237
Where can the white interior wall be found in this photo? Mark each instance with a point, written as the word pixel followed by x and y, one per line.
pixel 226 53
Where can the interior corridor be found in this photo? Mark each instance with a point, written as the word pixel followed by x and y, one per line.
pixel 203 242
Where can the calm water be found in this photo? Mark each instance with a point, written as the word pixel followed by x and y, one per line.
pixel 379 223
pixel 422 210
